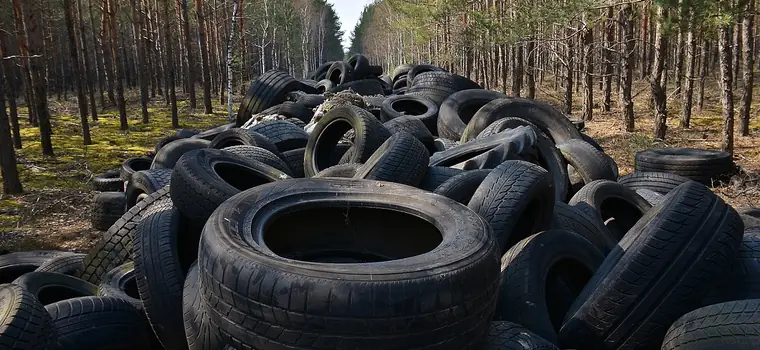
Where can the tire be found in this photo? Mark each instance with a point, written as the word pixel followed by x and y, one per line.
pixel 569 218
pixel 435 94
pixel 538 272
pixel 132 165
pixel 165 141
pixel 369 135
pixel 592 142
pixel 51 287
pixel 590 163
pixel 285 135
pixel 185 133
pixel 115 247
pixel 437 175
pixel 504 124
pixel 109 181
pixel 321 71
pixel 413 126
pixel 441 145
pixel 457 110
pixel 651 197
pixel 107 208
pixel 659 271
pixel 443 80
pixel 146 182
pixel 340 73
pixel 517 199
pixel 742 280
pixel 401 159
pixel 548 119
pixel 619 207
pixel 261 155
pixel 364 87
pixel 347 170
pixel 325 85
pixel 495 150
pixel 295 110
pixel 462 187
pixel 360 64
pixel 310 101
pixel 294 159
pixel 451 241
pixel 243 137
pixel 753 212
pixel 420 69
pixel 703 166
pixel 419 107
pixel 270 89
pixel 661 183
pixel 503 335
pixel 400 71
pixel 199 332
pixel 731 325
pixel 93 323
pixel 121 283
pixel 67 264
pixel 205 178
pixel 24 323
pixel 166 244
pixel 13 265
pixel 210 134
pixel 168 156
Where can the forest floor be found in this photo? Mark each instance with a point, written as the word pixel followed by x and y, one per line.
pixel 54 211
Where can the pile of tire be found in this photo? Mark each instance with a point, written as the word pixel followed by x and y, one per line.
pixel 459 218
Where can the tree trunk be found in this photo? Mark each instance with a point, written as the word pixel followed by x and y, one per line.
pixel 25 66
pixel 86 64
pixel 106 50
pixel 569 72
pixel 607 58
pixel 517 75
pixel 76 70
pixel 142 67
pixel 737 50
pixel 726 87
pixel 587 41
pixel 230 50
pixel 199 8
pixel 530 73
pixel 688 91
pixel 626 67
pixel 190 74
pixel 748 64
pixel 7 68
pixel 170 66
pixel 704 65
pixel 120 102
pixel 98 65
pixel 680 49
pixel 644 42
pixel 658 90
pixel 8 169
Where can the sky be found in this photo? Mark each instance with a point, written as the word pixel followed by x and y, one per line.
pixel 349 12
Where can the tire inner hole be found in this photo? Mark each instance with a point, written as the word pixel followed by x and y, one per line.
pixel 619 216
pixel 409 107
pixel 51 294
pixel 468 109
pixel 130 287
pixel 240 177
pixel 326 146
pixel 350 235
pixel 564 282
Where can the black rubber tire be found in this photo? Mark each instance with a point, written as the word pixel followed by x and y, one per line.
pixel 168 156
pixel 419 107
pixel 199 332
pixel 412 126
pixel 420 69
pixel 261 155
pixel 325 85
pixel 504 124
pixel 67 264
pixel 503 335
pixel 742 279
pixel 131 165
pixel 652 197
pixel 210 134
pixel 517 199
pixel 360 65
pixel 567 217
pixel 166 245
pixel 537 272
pixel 401 159
pixel 121 283
pixel 13 265
pixel 243 137
pixel 347 170
pixel 286 136
pixel 703 166
pixel 607 200
pixel 165 141
pixel 295 159
pixel 340 73
pixel 462 187
pixel 659 182
pixel 591 141
pixel 107 208
pixel 115 247
pixel 457 110
pixel 753 212
pixel 400 71
pixel 310 101
pixel 321 71
pixel 517 142
pixel 185 133
pixel 270 89
pixel 437 175
pixel 94 323
pixel 24 322
pixel 146 182
pixel 198 186
pixel 659 271
pixel 295 110
pixel 110 181
pixel 590 163
pixel 547 118
pixel 443 80
pixel 364 87
pixel 369 135
pixel 731 325
pixel 447 240
pixel 51 287
pixel 441 145
pixel 435 94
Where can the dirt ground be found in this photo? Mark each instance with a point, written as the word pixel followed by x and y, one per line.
pixel 54 212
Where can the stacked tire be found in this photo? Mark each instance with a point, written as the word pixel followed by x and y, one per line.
pixel 455 218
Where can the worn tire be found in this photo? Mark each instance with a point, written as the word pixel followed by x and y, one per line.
pixel 659 182
pixel 731 325
pixel 131 165
pixel 199 332
pixel 146 182
pixel 590 163
pixel 121 283
pixel 517 199
pixel 24 322
pixel 107 208
pixel 67 264
pixel 295 159
pixel 212 133
pixel 503 335
pixel 110 181
pixel 457 110
pixel 462 187
pixel 286 136
pixel 401 159
pixel 413 126
pixel 51 287
pixel 242 137
pixel 418 107
pixel 270 89
pixel 437 175
pixel 340 73
pixel 489 152
pixel 168 156
pixel 504 124
pixel 659 271
pixel 619 207
pixel 310 101
pixel 441 145
pixel 364 87
pixel 703 166
pixel 261 155
pixel 13 265
pixel 347 170
pixel 567 217
pixel 742 279
pixel 540 278
pixel 452 256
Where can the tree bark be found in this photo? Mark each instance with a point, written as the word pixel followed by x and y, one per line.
pixel 626 67
pixel 120 102
pixel 8 69
pixel 25 66
pixel 748 65
pixel 587 40
pixel 86 64
pixel 530 73
pixel 142 68
pixel 76 70
pixel 199 8
pixel 106 50
pixel 517 75
pixel 8 169
pixel 607 58
pixel 189 74
pixel 230 50
pixel 569 65
pixel 170 66
pixel 726 87
pixel 688 91
pixel 658 90
pixel 704 63
pixel 98 64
